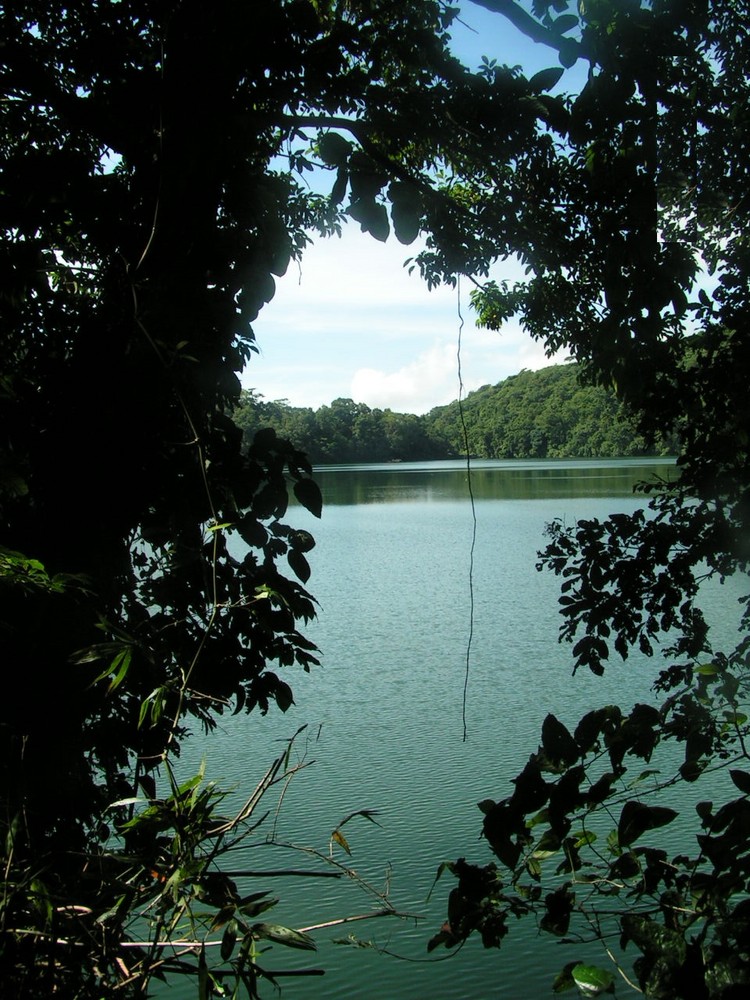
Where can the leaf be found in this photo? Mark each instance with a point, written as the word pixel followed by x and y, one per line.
pixel 407 221
pixel 592 981
pixel 302 540
pixel 549 844
pixel 334 149
pixel 636 818
pixel 742 781
pixel 228 940
pixel 338 192
pixel 371 216
pixel 285 936
pixel 559 746
pixel 365 813
pixel 564 980
pixel 202 975
pixel 308 493
pixel 256 903
pixel 569 52
pixel 121 664
pixel 584 838
pixel 565 23
pixel 545 79
pixel 558 906
pixel 444 866
pixel 283 695
pixel 706 669
pixel 735 718
pixel 340 839
pixel 299 565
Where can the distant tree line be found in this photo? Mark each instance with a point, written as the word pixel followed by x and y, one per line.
pixel 542 414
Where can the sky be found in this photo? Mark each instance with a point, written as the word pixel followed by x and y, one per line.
pixel 351 322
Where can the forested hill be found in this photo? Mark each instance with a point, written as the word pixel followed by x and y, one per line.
pixel 542 414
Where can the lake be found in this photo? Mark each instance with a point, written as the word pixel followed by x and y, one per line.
pixel 384 712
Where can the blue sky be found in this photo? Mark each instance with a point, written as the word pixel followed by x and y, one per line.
pixel 351 321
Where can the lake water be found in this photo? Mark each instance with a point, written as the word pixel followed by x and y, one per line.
pixel 384 712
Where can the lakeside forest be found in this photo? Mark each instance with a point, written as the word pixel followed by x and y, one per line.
pixel 535 414
pixel 164 163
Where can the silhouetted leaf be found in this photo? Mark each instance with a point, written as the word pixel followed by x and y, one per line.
pixel 741 780
pixel 636 818
pixel 559 746
pixel 228 940
pixel 299 564
pixel 334 149
pixel 545 79
pixel 565 23
pixel 308 493
pixel 372 217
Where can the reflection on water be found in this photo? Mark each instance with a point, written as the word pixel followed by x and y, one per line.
pixel 419 482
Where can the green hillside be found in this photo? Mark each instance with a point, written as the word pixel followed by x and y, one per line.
pixel 542 414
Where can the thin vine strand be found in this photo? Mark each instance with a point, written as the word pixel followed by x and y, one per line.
pixel 465 435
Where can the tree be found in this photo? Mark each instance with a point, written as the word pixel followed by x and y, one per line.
pixel 153 187
pixel 643 276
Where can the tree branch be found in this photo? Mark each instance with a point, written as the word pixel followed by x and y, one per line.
pixel 522 20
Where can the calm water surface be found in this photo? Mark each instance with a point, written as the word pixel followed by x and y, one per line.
pixel 384 712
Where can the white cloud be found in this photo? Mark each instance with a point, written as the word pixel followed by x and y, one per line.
pixel 353 322
pixel 427 381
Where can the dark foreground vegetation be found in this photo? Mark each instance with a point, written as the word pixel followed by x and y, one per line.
pixel 163 161
pixel 544 414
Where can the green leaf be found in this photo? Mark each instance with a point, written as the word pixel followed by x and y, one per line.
pixel 564 980
pixel 308 493
pixel 592 981
pixel 735 718
pixel 228 940
pixel 285 936
pixel 549 844
pixel 119 667
pixel 706 669
pixel 584 838
pixel 256 903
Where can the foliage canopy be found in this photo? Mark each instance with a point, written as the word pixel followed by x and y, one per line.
pixel 155 157
pixel 644 278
